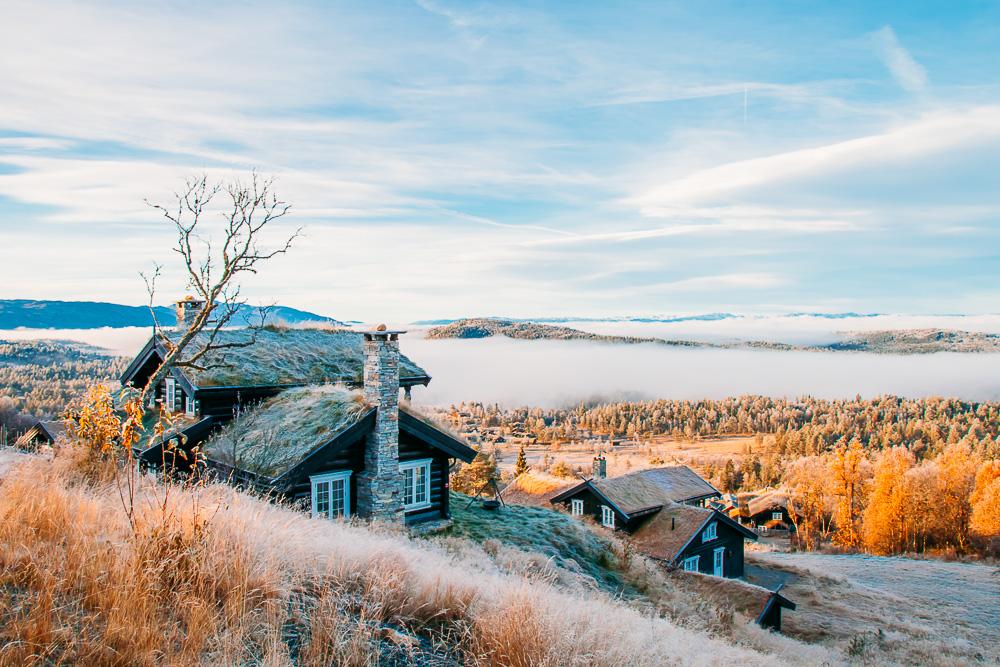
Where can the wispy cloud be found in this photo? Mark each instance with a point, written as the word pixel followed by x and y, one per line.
pixel 907 72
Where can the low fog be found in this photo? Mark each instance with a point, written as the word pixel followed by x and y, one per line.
pixel 557 373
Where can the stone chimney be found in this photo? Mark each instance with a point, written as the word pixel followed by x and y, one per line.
pixel 600 467
pixel 187 309
pixel 380 485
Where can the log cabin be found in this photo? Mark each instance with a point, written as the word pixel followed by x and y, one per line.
pixel 41 434
pixel 665 512
pixel 310 416
pixel 769 512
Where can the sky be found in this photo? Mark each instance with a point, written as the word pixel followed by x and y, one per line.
pixel 448 159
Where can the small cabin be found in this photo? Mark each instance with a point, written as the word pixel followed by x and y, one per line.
pixel 666 512
pixel 309 416
pixel 41 434
pixel 769 512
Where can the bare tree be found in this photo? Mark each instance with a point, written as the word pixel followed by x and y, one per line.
pixel 214 272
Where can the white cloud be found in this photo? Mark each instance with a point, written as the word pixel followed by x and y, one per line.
pixel 907 72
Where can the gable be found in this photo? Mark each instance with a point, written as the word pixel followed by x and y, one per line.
pixel 648 490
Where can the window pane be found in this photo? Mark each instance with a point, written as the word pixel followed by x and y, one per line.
pixel 338 498
pixel 420 484
pixel 323 498
pixel 408 475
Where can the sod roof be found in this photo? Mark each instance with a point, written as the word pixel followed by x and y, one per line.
pixel 280 432
pixel 668 531
pixel 285 356
pixel 770 501
pixel 535 488
pixel 647 489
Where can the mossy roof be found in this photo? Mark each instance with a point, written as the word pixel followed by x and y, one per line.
pixel 647 489
pixel 280 432
pixel 534 488
pixel 287 356
pixel 772 500
pixel 668 531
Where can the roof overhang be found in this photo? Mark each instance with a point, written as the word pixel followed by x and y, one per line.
pixel 435 437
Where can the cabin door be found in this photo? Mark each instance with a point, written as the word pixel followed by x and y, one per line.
pixel 719 562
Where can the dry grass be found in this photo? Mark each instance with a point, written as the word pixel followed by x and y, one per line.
pixel 213 576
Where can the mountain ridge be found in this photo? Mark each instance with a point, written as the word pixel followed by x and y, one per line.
pixel 57 314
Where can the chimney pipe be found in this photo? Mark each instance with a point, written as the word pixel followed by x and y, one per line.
pixel 673 522
pixel 600 467
pixel 380 485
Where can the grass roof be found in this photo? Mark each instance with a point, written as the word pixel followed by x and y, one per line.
pixel 655 487
pixel 669 530
pixel 536 488
pixel 287 356
pixel 272 438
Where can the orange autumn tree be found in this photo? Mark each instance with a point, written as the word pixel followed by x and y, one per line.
pixel 984 524
pixel 956 481
pixel 808 488
pixel 849 472
pixel 885 529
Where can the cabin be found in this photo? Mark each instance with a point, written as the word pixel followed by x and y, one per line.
pixel 696 539
pixel 310 416
pixel 41 434
pixel 666 512
pixel 769 512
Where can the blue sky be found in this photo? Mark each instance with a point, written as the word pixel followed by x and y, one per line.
pixel 524 159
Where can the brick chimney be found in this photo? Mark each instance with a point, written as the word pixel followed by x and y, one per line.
pixel 600 467
pixel 187 309
pixel 380 485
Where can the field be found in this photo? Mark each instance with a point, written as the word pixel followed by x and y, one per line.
pixel 918 611
pixel 625 458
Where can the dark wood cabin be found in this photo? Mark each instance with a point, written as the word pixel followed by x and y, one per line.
pixel 664 509
pixel 41 434
pixel 769 512
pixel 291 415
pixel 697 539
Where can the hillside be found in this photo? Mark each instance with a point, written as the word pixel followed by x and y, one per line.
pixel 487 327
pixel 16 313
pixel 918 341
pixel 208 575
pixel 897 341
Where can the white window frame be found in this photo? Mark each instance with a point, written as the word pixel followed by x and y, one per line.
pixel 691 563
pixel 607 517
pixel 710 533
pixel 719 562
pixel 576 507
pixel 776 516
pixel 189 406
pixel 405 467
pixel 338 475
pixel 169 394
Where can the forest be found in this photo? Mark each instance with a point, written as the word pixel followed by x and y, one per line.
pixel 884 475
pixel 39 379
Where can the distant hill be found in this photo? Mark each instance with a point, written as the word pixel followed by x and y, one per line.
pixel 898 341
pixel 17 313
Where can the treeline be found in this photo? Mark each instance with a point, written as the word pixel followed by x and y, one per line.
pixel 802 427
pixel 890 502
pixel 39 379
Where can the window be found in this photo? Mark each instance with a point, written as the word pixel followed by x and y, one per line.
pixel 170 399
pixel 416 484
pixel 189 406
pixel 709 533
pixel 331 494
pixel 691 564
pixel 776 516
pixel 607 516
pixel 576 507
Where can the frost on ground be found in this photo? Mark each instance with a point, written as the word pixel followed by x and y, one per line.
pixel 919 611
pixel 9 457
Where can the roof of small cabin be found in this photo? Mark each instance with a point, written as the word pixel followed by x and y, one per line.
pixel 668 531
pixel 53 429
pixel 770 500
pixel 648 489
pixel 535 488
pixel 280 357
pixel 281 432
